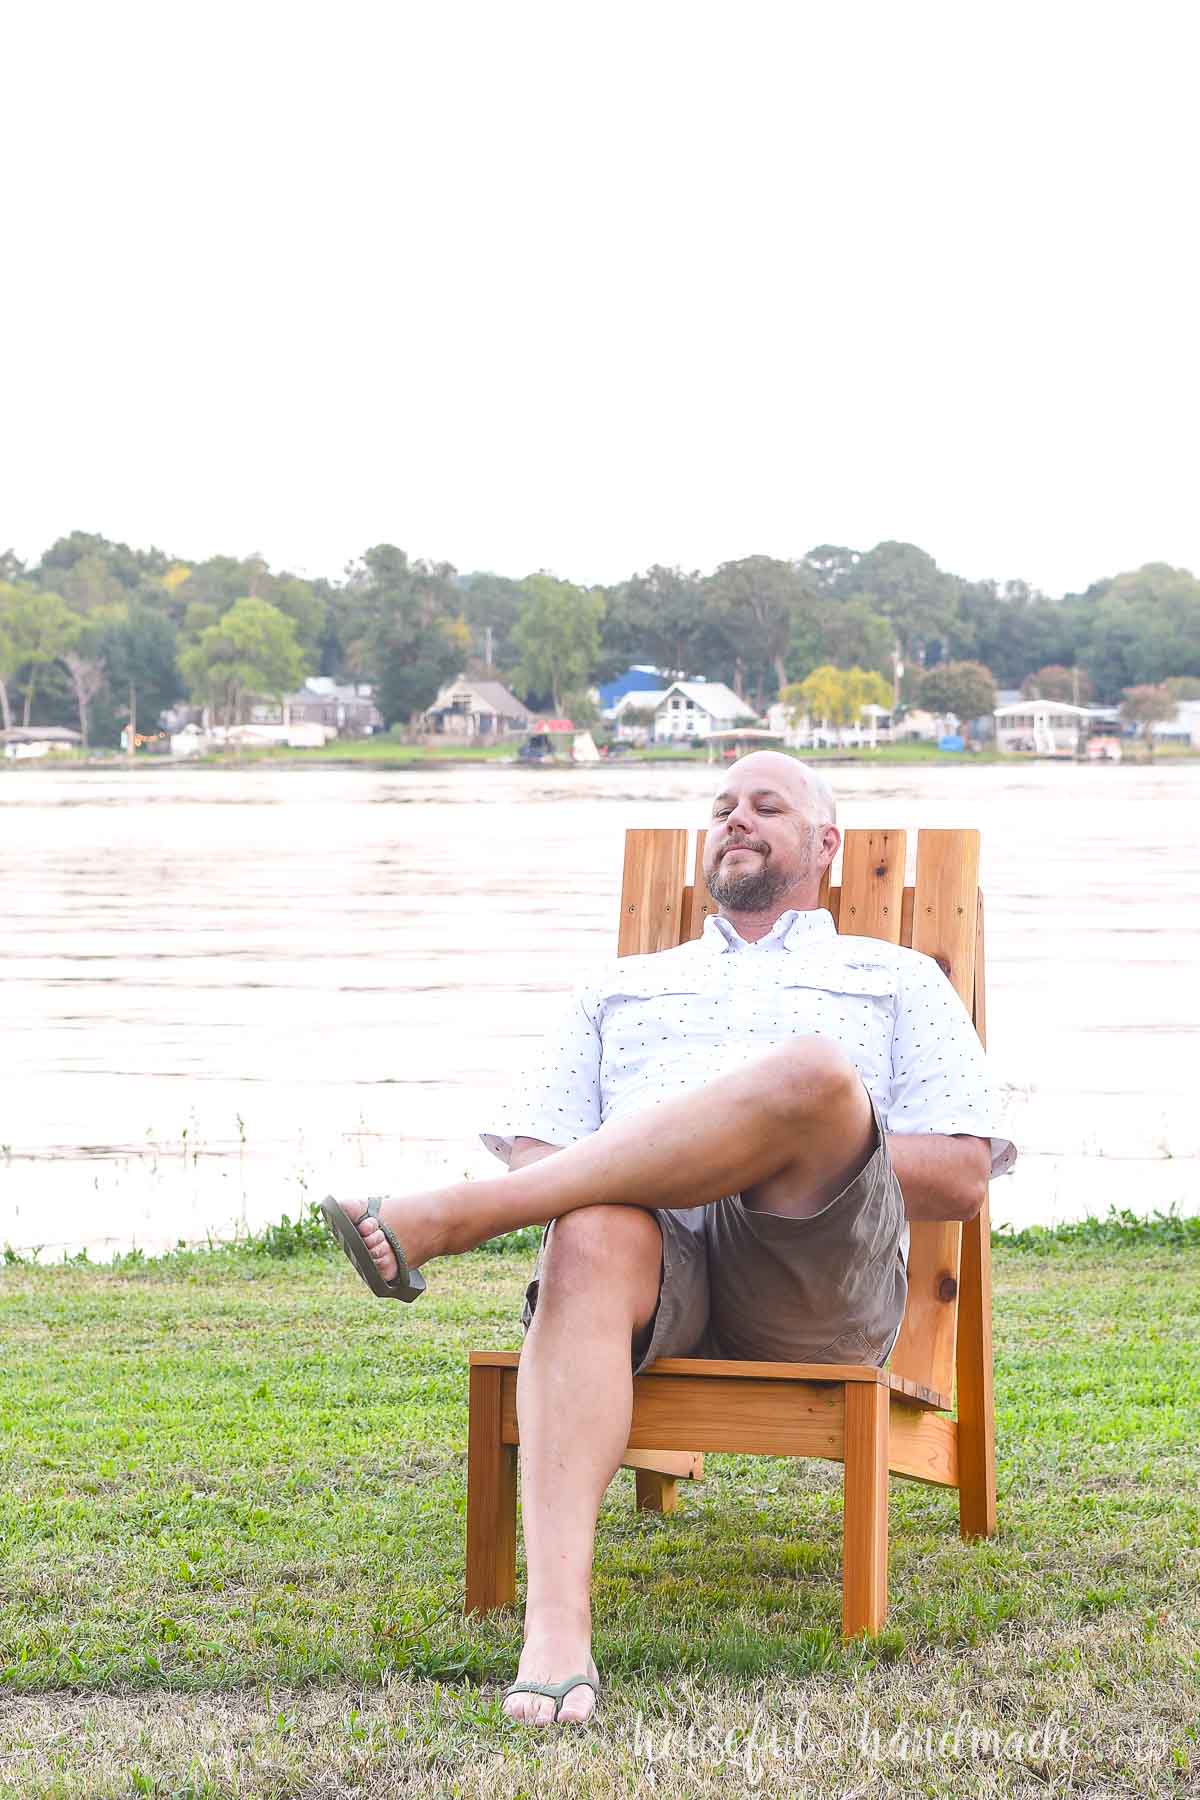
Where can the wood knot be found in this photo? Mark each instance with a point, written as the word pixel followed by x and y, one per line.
pixel 947 1288
pixel 881 870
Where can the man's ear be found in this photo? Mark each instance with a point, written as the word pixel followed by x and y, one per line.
pixel 831 838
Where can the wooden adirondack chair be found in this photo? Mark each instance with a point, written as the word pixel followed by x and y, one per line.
pixel 876 1422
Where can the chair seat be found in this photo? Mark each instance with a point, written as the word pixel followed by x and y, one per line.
pixel 700 1366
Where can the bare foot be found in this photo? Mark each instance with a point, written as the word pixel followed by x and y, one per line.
pixel 421 1222
pixel 550 1657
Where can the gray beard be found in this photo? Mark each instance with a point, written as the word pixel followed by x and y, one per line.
pixel 756 890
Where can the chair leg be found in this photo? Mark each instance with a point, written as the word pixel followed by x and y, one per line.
pixel 658 1474
pixel 655 1492
pixel 977 1435
pixel 491 1499
pixel 865 1524
pixel 976 1405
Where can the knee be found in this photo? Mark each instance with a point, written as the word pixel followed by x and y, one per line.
pixel 602 1240
pixel 813 1073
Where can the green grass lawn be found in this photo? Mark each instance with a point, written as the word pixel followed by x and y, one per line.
pixel 231 1524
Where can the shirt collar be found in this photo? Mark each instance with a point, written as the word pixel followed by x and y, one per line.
pixel 791 931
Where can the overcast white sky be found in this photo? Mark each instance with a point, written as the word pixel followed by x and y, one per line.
pixel 586 286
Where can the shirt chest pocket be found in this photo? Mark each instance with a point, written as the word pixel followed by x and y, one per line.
pixel 856 1007
pixel 759 999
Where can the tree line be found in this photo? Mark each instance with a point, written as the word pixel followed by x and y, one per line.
pixel 96 632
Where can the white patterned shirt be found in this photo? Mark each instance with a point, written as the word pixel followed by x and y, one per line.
pixel 651 1026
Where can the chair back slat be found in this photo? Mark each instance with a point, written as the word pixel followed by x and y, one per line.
pixel 872 884
pixel 945 914
pixel 652 884
pixel 698 903
pixel 979 1008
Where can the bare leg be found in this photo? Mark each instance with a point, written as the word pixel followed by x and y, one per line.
pixel 599 1286
pixel 795 1124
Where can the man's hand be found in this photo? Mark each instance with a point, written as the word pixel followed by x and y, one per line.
pixel 940 1177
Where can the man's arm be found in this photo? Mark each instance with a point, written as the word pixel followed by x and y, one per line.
pixel 940 1177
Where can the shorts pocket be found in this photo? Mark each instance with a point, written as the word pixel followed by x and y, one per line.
pixel 852 1347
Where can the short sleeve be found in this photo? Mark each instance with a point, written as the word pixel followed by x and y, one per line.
pixel 557 1100
pixel 940 1077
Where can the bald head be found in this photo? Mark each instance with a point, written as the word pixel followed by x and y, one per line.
pixel 771 838
pixel 771 768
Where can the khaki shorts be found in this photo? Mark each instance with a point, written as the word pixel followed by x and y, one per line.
pixel 761 1287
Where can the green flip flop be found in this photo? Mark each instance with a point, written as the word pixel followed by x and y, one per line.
pixel 406 1284
pixel 558 1690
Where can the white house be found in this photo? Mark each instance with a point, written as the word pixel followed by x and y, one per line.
pixel 1184 728
pixel 25 742
pixel 637 704
pixel 693 709
pixel 1042 727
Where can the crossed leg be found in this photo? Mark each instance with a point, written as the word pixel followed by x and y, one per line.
pixel 788 1131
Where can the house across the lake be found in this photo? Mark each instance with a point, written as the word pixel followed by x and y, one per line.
pixel 345 710
pixel 695 709
pixel 636 686
pixel 1042 727
pixel 470 709
pixel 23 742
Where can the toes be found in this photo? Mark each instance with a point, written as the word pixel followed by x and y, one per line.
pixel 578 1707
pixel 530 1709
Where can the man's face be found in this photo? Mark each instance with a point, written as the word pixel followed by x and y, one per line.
pixel 768 841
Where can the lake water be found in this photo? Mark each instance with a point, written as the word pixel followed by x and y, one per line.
pixel 226 993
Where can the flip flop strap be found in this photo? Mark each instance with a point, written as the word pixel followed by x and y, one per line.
pixel 373 1206
pixel 552 1690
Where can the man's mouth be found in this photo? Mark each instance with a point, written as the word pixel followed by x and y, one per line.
pixel 757 849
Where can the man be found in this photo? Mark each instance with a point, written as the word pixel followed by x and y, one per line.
pixel 728 1138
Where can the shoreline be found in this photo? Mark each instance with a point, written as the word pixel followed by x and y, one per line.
pixel 399 757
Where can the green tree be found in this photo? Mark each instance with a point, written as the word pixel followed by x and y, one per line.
pixel 88 676
pixel 250 653
pixel 856 637
pixel 1148 705
pixel 836 697
pixel 1183 687
pixel 557 636
pixel 399 625
pixel 965 689
pixel 491 605
pixel 845 633
pixel 130 569
pixel 830 569
pixel 659 617
pixel 36 629
pixel 902 583
pixel 137 647
pixel 197 596
pixel 757 601
pixel 411 672
pixel 1140 627
pixel 8 661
